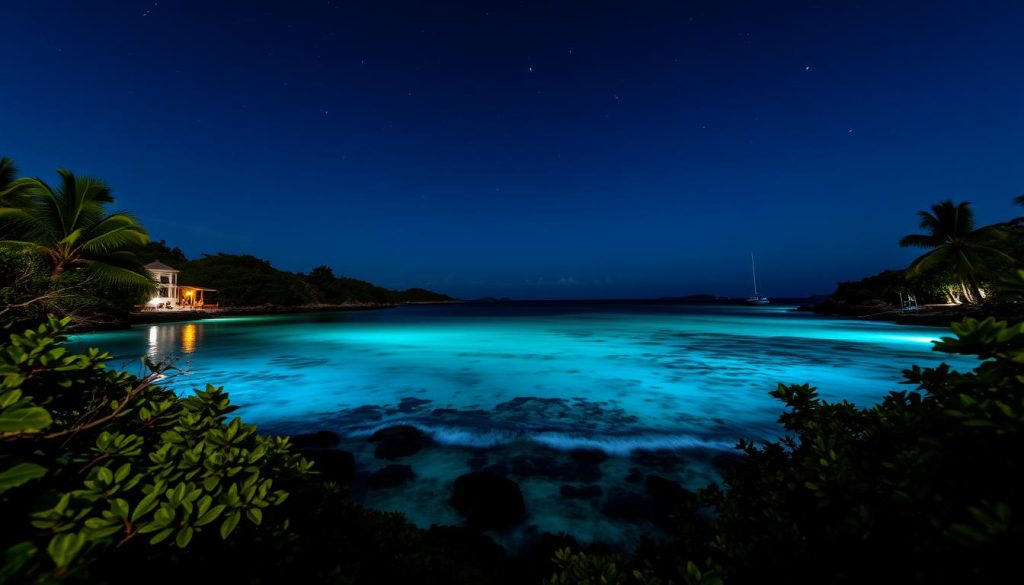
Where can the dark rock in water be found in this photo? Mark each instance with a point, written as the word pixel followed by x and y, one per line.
pixel 588 456
pixel 317 440
pixel 635 475
pixel 488 501
pixel 726 460
pixel 673 504
pixel 629 506
pixel 399 441
pixel 333 464
pixel 467 541
pixel 548 464
pixel 409 405
pixel 662 459
pixel 668 493
pixel 585 492
pixel 390 476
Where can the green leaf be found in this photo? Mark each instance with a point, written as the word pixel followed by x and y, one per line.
pixel 145 505
pixel 229 524
pixel 15 558
pixel 210 515
pixel 184 536
pixel 63 547
pixel 19 474
pixel 106 476
pixel 25 420
pixel 161 536
pixel 255 515
pixel 119 507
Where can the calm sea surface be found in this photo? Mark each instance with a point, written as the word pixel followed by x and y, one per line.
pixel 514 378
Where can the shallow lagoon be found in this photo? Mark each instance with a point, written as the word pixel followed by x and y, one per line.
pixel 662 388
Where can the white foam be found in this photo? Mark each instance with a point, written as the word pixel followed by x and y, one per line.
pixel 621 446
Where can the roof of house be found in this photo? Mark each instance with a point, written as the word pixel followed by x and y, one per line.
pixel 160 267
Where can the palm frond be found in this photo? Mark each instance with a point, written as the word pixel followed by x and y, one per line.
pixel 113 239
pixel 23 245
pixel 929 261
pixel 7 172
pixel 118 275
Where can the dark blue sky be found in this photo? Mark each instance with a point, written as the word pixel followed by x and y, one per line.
pixel 529 149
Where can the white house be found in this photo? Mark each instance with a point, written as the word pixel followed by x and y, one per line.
pixel 168 294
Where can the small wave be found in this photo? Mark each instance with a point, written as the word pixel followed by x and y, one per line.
pixel 621 446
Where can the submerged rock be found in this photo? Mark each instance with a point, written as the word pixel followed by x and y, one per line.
pixel 662 459
pixel 390 476
pixel 549 464
pixel 629 506
pixel 588 456
pixel 585 492
pixel 668 493
pixel 488 501
pixel 333 464
pixel 398 441
pixel 317 440
pixel 673 504
pixel 635 475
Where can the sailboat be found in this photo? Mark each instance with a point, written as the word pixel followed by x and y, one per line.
pixel 756 299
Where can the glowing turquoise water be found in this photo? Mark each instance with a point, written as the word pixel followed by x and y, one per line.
pixel 611 375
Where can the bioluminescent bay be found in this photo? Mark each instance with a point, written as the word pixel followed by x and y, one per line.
pixel 659 388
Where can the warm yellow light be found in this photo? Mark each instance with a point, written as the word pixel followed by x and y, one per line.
pixel 188 338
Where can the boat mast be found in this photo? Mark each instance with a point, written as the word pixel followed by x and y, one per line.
pixel 753 271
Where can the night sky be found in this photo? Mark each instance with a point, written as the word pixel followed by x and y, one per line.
pixel 530 150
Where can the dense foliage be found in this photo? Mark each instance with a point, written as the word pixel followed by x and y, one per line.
pixel 243 280
pixel 924 487
pixel 96 460
pixel 28 293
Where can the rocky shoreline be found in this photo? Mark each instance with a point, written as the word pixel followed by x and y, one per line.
pixel 494 495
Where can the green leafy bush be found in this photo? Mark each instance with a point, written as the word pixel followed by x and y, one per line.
pixel 96 460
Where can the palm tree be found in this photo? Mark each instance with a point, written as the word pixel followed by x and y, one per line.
pixel 13 191
pixel 956 246
pixel 70 226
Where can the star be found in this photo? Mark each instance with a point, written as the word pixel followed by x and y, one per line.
pixel 530 69
pixel 807 67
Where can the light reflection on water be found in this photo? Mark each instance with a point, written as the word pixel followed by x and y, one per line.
pixel 617 375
